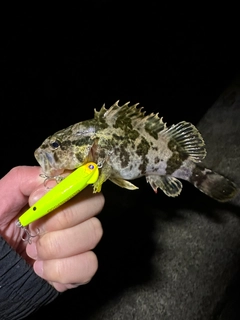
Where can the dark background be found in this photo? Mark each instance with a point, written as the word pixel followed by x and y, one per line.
pixel 57 66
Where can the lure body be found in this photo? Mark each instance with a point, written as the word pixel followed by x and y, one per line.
pixel 62 192
pixel 127 144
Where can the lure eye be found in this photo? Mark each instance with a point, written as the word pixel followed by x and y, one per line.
pixel 55 144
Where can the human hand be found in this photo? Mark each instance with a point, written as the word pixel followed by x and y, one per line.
pixel 62 252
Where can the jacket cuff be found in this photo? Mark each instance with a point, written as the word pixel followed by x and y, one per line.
pixel 21 291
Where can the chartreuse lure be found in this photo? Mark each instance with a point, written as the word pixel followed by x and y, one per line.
pixel 71 185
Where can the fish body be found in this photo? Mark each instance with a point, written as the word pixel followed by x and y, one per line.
pixel 126 144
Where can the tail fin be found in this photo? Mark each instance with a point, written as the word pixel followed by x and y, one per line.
pixel 213 184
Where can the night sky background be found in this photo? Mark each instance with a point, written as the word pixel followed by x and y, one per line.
pixel 56 67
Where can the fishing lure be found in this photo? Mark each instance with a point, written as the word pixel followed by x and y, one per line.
pixel 71 185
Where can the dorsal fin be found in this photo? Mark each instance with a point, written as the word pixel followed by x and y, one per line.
pixel 152 124
pixel 188 138
pixel 115 112
pixel 132 117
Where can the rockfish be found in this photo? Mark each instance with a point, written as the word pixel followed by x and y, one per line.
pixel 127 144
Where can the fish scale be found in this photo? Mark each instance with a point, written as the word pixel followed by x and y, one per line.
pixel 127 144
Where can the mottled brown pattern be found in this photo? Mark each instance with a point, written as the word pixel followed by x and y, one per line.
pixel 177 158
pixel 127 144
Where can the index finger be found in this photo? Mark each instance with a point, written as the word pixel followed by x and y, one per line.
pixel 81 207
pixel 15 188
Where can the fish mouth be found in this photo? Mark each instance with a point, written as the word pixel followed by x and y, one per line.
pixel 47 163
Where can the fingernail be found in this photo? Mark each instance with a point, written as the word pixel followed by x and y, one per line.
pixel 38 267
pixel 32 250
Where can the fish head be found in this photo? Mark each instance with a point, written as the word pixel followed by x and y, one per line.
pixel 67 149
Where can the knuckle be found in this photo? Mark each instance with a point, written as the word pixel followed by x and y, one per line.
pixel 101 200
pixel 16 171
pixel 89 266
pixel 48 246
pixel 79 271
pixel 66 217
pixel 96 231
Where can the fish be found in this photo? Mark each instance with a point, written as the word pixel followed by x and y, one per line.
pixel 127 144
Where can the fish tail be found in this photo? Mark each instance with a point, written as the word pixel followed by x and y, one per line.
pixel 213 184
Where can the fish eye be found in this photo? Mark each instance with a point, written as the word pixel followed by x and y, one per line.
pixel 55 144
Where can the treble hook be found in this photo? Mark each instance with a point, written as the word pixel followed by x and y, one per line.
pixel 26 235
pixel 57 179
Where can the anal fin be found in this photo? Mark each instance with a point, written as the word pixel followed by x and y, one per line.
pixel 169 185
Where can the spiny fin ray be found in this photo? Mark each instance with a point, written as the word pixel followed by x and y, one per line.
pixel 138 121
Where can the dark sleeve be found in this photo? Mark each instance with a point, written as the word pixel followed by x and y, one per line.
pixel 21 291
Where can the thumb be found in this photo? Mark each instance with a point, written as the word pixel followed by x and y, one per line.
pixel 15 188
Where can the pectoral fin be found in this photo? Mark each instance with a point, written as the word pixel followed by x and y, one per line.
pixel 169 185
pixel 104 175
pixel 123 183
